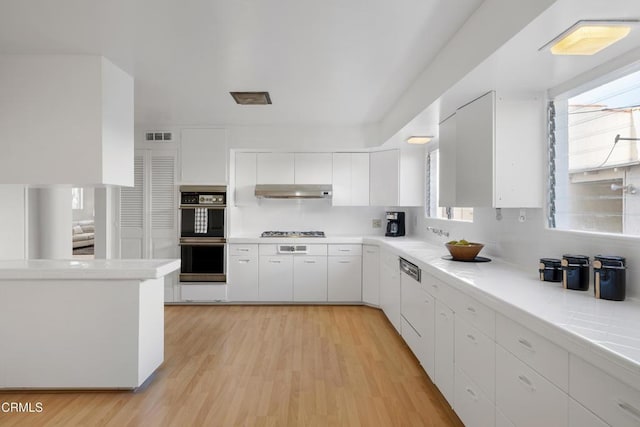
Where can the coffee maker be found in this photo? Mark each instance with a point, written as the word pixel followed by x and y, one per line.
pixel 395 224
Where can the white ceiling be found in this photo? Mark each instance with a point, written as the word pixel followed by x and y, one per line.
pixel 331 62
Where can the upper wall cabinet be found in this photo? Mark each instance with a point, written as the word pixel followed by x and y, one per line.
pixel 397 177
pixel 245 178
pixel 203 156
pixel 294 168
pixel 350 179
pixel 499 143
pixel 65 119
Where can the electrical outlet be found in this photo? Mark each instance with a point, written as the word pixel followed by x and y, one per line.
pixel 523 215
pixel 376 223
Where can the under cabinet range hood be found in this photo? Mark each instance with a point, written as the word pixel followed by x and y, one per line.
pixel 293 191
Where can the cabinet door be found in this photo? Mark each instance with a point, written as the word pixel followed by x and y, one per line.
pixel 447 166
pixel 203 156
pixel 242 278
pixel 309 278
pixel 345 278
pixel 360 179
pixel 444 345
pixel 390 288
pixel 579 416
pixel 475 354
pixel 276 278
pixel 371 275
pixel 411 176
pixel 342 179
pixel 526 397
pixel 275 168
pixel 245 177
pixel 384 175
pixel 475 129
pixel 471 404
pixel 313 168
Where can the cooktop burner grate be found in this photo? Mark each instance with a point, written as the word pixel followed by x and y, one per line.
pixel 293 234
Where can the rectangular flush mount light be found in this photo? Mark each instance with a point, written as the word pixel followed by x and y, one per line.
pixel 419 139
pixel 588 37
pixel 251 98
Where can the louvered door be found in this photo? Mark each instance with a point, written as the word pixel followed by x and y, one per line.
pixel 132 208
pixel 164 210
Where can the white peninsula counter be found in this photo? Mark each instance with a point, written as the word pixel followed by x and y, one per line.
pixel 85 324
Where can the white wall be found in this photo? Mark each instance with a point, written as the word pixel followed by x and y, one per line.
pixel 13 222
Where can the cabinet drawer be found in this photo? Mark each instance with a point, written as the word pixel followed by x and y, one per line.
pixel 475 354
pixel 612 400
pixel 204 293
pixel 541 354
pixel 345 250
pixel 411 337
pixel 471 404
pixel 525 397
pixel 476 313
pixel 243 250
pixel 440 290
pixel 579 416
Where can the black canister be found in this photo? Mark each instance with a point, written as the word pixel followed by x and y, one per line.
pixel 609 277
pixel 575 272
pixel 550 270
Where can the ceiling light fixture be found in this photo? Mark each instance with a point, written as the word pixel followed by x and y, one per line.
pixel 251 98
pixel 588 37
pixel 419 139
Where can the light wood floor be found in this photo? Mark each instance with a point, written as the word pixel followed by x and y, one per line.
pixel 263 365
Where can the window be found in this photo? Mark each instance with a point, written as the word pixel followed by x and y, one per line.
pixel 76 199
pixel 594 161
pixel 432 210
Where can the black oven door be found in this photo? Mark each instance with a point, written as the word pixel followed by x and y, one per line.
pixel 215 223
pixel 202 262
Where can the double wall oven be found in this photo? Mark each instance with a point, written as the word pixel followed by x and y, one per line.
pixel 202 233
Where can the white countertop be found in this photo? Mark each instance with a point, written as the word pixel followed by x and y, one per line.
pixel 99 269
pixel 575 320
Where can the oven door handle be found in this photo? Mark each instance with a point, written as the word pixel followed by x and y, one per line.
pixel 193 242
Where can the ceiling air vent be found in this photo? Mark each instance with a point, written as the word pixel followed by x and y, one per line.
pixel 251 98
pixel 158 136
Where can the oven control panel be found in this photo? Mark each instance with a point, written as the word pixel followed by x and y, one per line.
pixel 200 199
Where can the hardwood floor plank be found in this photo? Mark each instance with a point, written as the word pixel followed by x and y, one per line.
pixel 263 366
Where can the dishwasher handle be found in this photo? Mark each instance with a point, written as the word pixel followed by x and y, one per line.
pixel 410 269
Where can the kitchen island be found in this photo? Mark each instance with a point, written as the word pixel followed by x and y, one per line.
pixel 86 324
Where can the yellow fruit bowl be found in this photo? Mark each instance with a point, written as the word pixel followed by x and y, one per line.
pixel 466 252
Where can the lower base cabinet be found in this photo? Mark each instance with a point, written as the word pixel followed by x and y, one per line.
pixel 310 278
pixel 525 397
pixel 345 278
pixel 471 404
pixel 242 278
pixel 275 281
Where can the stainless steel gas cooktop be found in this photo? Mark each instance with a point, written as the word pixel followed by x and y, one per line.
pixel 293 234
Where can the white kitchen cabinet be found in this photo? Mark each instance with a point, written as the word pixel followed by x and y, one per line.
pixel 616 402
pixel 313 168
pixel 242 273
pixel 417 308
pixel 526 397
pixel 498 154
pixel 350 179
pixel 390 288
pixel 371 274
pixel 447 169
pixel 444 350
pixel 275 168
pixel 199 292
pixel 275 281
pixel 245 179
pixel 384 173
pixel 310 278
pixel 579 416
pixel 471 404
pixel 203 156
pixel 345 278
pixel 397 177
pixel 475 354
